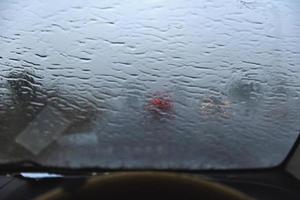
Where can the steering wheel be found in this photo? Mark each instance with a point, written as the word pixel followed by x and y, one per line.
pixel 146 185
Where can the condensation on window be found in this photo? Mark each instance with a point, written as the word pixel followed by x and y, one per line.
pixel 160 84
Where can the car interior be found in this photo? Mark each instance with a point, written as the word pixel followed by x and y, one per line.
pixel 155 99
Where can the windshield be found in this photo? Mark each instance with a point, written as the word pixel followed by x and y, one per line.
pixel 149 84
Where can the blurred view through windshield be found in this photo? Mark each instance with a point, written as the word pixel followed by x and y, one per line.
pixel 149 84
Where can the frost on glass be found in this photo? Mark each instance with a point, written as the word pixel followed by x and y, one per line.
pixel 149 84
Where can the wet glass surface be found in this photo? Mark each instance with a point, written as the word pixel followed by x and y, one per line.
pixel 149 84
